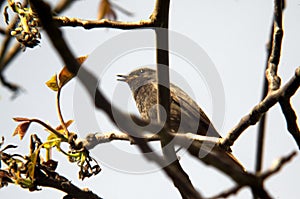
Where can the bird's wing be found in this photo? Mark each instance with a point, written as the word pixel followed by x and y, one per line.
pixel 192 112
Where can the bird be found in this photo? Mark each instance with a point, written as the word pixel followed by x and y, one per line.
pixel 185 114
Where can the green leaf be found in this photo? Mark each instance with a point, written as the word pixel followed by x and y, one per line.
pixel 52 141
pixel 52 83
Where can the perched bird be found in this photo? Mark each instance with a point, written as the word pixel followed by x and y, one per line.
pixel 185 114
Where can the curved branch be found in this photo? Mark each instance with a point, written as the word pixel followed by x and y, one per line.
pixel 254 116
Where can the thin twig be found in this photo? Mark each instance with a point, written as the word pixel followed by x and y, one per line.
pixel 271 72
pixel 278 165
pixel 60 116
pixel 103 23
pixel 291 118
pixel 262 122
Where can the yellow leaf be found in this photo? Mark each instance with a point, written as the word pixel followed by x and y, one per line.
pixel 65 75
pixel 52 83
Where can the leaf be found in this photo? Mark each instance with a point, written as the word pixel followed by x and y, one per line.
pixel 21 129
pixel 52 141
pixel 65 75
pixel 31 165
pixel 31 168
pixel 68 123
pixel 105 10
pixel 20 119
pixel 52 83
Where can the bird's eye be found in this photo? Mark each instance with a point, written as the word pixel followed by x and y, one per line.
pixel 142 71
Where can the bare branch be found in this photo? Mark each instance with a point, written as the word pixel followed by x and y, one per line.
pixel 103 23
pixel 262 122
pixel 291 118
pixel 63 184
pixel 93 139
pixel 271 72
pixel 253 117
pixel 278 165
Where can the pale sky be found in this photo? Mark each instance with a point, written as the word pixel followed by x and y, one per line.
pixel 233 34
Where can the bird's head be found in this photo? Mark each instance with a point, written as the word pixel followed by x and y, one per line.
pixel 138 78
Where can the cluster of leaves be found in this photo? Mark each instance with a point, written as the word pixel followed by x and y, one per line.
pixel 21 169
pixel 26 30
pixel 25 170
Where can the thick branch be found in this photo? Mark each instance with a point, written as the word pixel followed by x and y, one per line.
pixel 61 183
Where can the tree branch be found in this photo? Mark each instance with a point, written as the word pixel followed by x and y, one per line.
pixel 278 166
pixel 262 122
pixel 61 183
pixel 253 117
pixel 271 72
pixel 103 23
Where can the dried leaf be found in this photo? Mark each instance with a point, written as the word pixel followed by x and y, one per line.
pixel 20 119
pixel 68 123
pixel 65 75
pixel 52 83
pixel 21 129
pixel 105 10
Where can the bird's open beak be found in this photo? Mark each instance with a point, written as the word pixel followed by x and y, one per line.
pixel 122 78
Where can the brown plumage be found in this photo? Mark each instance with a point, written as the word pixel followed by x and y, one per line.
pixel 185 115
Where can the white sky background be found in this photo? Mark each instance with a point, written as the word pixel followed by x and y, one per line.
pixel 233 33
